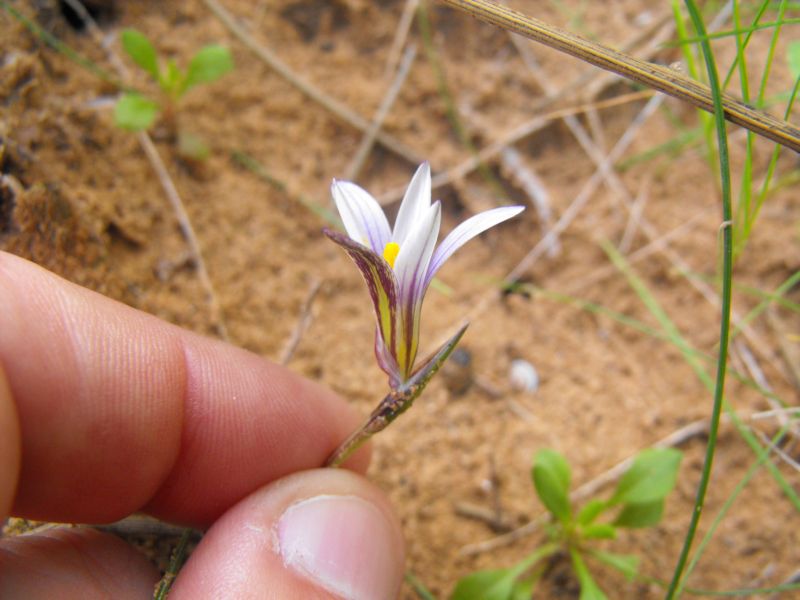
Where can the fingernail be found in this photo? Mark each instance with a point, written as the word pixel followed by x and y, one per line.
pixel 344 544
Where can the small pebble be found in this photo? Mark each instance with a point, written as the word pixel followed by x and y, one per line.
pixel 457 371
pixel 523 376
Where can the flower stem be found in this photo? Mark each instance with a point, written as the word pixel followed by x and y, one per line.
pixel 396 402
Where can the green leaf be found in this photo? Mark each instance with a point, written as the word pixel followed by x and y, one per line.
pixel 589 589
pixel 486 585
pixel 590 511
pixel 551 476
pixel 523 590
pixel 502 583
pixel 134 112
pixel 793 58
pixel 627 564
pixel 171 79
pixel 599 531
pixel 651 477
pixel 640 514
pixel 141 51
pixel 209 64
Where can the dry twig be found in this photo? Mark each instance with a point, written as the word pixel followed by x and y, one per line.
pixel 388 100
pixel 518 133
pixel 400 36
pixel 654 76
pixel 335 107
pixel 676 438
pixel 303 323
pixel 653 36
pixel 164 178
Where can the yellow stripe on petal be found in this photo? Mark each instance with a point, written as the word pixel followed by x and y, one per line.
pixel 390 252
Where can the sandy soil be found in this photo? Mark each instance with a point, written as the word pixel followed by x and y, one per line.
pixel 81 199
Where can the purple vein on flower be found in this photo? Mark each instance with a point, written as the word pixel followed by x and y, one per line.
pixel 399 263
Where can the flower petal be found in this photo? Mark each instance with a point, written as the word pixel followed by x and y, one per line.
pixel 382 290
pixel 410 269
pixel 466 231
pixel 361 214
pixel 386 361
pixel 416 201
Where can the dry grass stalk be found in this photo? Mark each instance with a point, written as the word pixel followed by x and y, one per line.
pixel 654 76
pixel 389 98
pixel 335 107
pixel 303 323
pixel 400 37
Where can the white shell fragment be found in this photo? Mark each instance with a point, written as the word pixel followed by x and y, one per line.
pixel 523 376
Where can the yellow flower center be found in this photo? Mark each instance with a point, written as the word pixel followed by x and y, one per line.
pixel 390 252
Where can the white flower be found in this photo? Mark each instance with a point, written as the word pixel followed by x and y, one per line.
pixel 399 263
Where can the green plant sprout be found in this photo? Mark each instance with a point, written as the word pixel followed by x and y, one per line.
pixel 637 501
pixel 137 112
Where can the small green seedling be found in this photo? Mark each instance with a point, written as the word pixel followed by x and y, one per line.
pixel 637 501
pixel 136 112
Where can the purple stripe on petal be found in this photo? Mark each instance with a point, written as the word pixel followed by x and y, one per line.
pixel 361 214
pixel 411 268
pixel 386 360
pixel 383 291
pixel 465 232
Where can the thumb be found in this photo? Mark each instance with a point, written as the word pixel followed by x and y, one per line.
pixel 326 533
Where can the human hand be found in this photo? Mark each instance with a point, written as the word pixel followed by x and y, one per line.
pixel 105 411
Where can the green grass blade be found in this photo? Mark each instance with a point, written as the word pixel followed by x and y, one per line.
pixel 695 360
pixel 726 506
pixel 738 30
pixel 251 164
pixel 727 278
pixel 765 187
pixel 747 209
pixel 743 209
pixel 732 69
pixel 702 359
pixel 419 588
pixel 61 47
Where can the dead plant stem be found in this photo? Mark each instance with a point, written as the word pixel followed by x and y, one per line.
pixel 654 76
pixel 303 322
pixel 400 37
pixel 518 133
pixel 389 98
pixel 335 107
pixel 167 184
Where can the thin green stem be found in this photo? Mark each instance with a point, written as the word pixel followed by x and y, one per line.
pixel 748 209
pixel 419 588
pixel 737 31
pixel 725 317
pixel 743 483
pixel 396 402
pixel 175 563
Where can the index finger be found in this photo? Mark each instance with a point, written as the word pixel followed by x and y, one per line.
pixel 120 411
